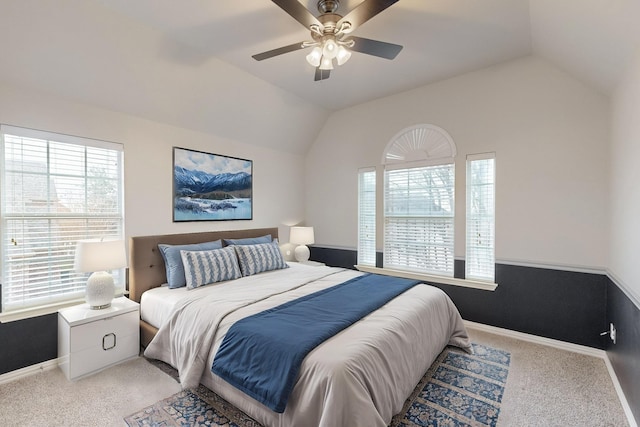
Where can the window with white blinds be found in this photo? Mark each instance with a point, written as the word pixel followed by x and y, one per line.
pixel 419 219
pixel 367 216
pixel 480 248
pixel 56 190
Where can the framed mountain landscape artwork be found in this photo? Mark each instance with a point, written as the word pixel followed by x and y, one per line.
pixel 211 187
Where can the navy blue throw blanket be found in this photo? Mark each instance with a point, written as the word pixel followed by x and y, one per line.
pixel 261 354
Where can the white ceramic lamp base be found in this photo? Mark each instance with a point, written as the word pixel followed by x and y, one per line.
pixel 301 253
pixel 100 290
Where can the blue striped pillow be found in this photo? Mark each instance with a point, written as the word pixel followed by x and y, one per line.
pixel 258 258
pixel 173 261
pixel 205 267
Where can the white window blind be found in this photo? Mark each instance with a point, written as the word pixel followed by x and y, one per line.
pixel 419 219
pixel 367 216
pixel 56 190
pixel 480 248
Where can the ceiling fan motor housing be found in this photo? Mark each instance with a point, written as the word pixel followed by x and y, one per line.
pixel 329 22
pixel 328 6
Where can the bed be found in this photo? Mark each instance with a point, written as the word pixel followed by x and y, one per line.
pixel 359 377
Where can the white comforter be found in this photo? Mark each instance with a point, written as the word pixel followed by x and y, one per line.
pixel 360 377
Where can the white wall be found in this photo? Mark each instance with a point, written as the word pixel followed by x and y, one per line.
pixel 278 190
pixel 550 134
pixel 625 180
pixel 86 51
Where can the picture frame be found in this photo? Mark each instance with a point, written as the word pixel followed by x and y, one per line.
pixel 211 187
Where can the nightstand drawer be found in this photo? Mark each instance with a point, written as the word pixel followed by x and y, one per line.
pixel 95 358
pixel 92 335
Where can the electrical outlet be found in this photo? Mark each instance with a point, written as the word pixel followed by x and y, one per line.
pixel 612 332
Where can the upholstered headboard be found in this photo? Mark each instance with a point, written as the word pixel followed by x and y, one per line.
pixel 146 266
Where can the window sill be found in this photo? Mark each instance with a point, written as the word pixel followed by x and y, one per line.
pixel 41 310
pixel 475 284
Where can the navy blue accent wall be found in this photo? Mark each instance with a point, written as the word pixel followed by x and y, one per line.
pixel 561 305
pixel 345 258
pixel 28 342
pixel 625 354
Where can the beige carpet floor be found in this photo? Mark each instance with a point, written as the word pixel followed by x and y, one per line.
pixel 47 399
pixel 545 387
pixel 554 388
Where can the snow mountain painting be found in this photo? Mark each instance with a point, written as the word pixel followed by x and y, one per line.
pixel 210 187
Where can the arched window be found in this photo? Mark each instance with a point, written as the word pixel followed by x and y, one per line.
pixel 419 201
pixel 420 143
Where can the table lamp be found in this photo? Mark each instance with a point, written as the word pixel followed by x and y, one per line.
pixel 96 257
pixel 301 236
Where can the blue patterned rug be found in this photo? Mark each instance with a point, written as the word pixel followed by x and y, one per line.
pixel 459 389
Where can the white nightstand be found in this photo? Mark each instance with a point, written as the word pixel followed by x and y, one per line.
pixel 91 340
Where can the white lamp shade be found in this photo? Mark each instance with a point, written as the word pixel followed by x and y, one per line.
pixel 301 236
pixel 99 255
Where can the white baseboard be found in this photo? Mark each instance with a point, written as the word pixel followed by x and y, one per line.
pixel 623 400
pixel 562 345
pixel 28 371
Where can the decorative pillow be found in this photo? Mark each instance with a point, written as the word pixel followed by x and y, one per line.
pixel 258 258
pixel 249 240
pixel 173 261
pixel 205 267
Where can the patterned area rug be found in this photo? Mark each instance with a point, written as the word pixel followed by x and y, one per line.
pixel 459 389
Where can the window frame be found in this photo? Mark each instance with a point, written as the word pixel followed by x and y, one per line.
pixel 448 249
pixel 366 250
pixel 486 246
pixel 50 302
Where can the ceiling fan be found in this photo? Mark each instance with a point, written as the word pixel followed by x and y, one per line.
pixel 331 34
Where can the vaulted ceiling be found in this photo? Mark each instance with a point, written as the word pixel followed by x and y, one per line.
pixel 441 38
pixel 188 63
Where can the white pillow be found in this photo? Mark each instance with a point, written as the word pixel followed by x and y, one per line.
pixel 205 267
pixel 258 258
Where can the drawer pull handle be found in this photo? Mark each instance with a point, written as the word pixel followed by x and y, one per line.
pixel 106 341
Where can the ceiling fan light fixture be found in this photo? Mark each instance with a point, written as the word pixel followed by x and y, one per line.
pixel 326 63
pixel 330 48
pixel 343 55
pixel 314 57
